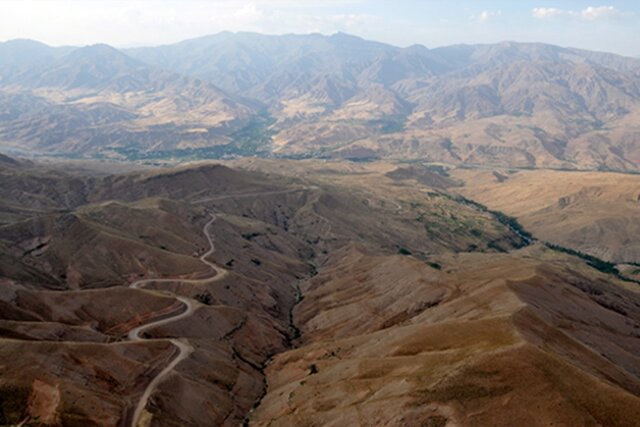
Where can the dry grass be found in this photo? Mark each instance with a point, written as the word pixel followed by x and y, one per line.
pixel 594 212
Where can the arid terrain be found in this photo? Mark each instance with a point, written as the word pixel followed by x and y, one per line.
pixel 319 213
pixel 310 292
pixel 507 104
pixel 596 213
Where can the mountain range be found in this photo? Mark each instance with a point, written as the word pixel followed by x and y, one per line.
pixel 380 241
pixel 525 105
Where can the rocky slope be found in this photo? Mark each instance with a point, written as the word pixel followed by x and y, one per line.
pixel 77 243
pixel 358 293
pixel 482 341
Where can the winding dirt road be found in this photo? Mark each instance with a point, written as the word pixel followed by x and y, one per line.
pixel 255 194
pixel 183 346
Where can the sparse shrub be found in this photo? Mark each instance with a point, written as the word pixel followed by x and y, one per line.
pixel 495 246
pixel 250 236
pixel 506 220
pixel 597 263
pixel 434 265
pixel 609 305
pixel 435 421
pixel 205 298
pixel 404 251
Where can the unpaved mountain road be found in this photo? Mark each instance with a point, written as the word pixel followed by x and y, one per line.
pixel 183 346
pixel 255 194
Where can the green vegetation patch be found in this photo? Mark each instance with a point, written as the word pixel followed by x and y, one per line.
pixel 254 139
pixel 389 124
pixel 439 169
pixel 597 263
pixel 510 222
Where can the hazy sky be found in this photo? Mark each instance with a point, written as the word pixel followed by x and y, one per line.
pixel 612 26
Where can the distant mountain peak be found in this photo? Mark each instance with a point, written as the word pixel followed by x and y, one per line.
pixel 24 51
pixel 98 50
pixel 345 36
pixel 417 48
pixel 24 43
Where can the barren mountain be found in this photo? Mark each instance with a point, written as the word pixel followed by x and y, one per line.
pixel 387 237
pixel 98 100
pixel 314 292
pixel 511 104
pixel 508 104
pixel 19 56
pixel 382 239
pixel 480 342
